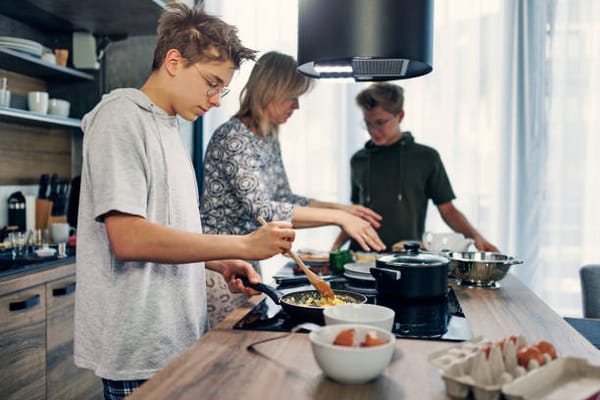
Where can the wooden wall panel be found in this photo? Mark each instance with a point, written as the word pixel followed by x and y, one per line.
pixel 26 152
pixel 22 84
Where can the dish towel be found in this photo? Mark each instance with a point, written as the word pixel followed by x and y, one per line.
pixel 589 328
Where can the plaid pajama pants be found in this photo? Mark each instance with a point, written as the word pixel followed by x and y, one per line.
pixel 118 390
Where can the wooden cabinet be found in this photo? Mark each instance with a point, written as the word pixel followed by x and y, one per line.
pixel 36 339
pixel 33 144
pixel 23 344
pixel 63 379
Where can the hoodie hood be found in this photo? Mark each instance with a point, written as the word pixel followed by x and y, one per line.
pixel 407 138
pixel 136 96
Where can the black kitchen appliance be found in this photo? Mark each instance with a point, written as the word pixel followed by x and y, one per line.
pixel 433 319
pixel 16 211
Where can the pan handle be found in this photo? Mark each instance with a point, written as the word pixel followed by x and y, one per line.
pixel 270 291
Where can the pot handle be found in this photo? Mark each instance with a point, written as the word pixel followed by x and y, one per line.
pixel 380 273
pixel 270 291
pixel 513 262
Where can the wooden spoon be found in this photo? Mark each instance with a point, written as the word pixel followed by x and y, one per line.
pixel 322 286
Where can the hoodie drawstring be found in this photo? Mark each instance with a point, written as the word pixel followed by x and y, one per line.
pixel 166 165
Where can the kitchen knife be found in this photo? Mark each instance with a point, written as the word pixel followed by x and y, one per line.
pixel 64 197
pixel 53 196
pixel 43 189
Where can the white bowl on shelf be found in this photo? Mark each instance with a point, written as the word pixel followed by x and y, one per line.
pixel 59 107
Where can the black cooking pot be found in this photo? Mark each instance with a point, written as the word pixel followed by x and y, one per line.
pixel 294 303
pixel 411 273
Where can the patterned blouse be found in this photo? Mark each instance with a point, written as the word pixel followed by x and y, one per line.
pixel 243 178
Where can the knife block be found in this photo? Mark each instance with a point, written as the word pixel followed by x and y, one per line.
pixel 43 214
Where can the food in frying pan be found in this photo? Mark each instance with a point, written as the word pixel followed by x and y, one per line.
pixel 346 337
pixel 314 299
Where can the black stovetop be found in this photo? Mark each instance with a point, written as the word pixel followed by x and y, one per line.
pixel 433 319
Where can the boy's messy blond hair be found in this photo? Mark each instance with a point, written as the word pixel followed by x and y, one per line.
pixel 198 37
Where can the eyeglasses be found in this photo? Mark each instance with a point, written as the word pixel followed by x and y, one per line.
pixel 378 124
pixel 213 88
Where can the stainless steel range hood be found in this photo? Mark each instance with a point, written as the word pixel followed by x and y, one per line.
pixel 368 40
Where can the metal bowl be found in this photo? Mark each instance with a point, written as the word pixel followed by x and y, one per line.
pixel 480 268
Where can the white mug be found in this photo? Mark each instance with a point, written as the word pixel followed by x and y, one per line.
pixel 4 98
pixel 59 231
pixel 38 102
pixel 452 241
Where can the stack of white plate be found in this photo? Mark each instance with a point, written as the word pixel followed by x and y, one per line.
pixel 24 45
pixel 359 271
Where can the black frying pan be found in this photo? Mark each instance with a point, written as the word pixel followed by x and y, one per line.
pixel 292 302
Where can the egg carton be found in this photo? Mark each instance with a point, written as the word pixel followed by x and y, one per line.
pixel 570 378
pixel 466 369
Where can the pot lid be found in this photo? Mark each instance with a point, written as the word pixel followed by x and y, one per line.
pixel 412 256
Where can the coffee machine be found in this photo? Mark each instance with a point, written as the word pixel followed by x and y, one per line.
pixel 16 211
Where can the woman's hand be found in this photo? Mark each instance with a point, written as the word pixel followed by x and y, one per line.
pixel 362 232
pixel 273 238
pixel 232 270
pixel 365 213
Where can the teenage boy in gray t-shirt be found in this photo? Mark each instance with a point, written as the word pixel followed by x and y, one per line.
pixel 141 294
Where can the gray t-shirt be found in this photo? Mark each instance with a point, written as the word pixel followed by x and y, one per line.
pixel 131 318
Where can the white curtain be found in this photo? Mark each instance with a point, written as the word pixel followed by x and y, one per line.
pixel 510 105
pixel 318 140
pixel 570 222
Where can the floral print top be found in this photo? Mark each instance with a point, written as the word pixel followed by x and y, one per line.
pixel 243 178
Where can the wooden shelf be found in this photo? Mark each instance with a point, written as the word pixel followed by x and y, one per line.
pixel 31 118
pixel 107 17
pixel 26 64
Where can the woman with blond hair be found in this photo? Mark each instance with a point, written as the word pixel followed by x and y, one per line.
pixel 244 175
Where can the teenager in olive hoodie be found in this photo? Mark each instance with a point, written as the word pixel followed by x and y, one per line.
pixel 396 177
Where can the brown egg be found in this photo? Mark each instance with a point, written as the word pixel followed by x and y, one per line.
pixel 527 354
pixel 345 338
pixel 547 348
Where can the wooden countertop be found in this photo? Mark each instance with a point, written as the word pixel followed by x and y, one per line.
pixel 218 366
pixel 35 274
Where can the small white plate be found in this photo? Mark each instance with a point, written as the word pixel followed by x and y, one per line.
pixel 359 268
pixel 360 277
pixel 45 252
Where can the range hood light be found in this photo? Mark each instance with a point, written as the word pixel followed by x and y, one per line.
pixel 374 40
pixel 333 70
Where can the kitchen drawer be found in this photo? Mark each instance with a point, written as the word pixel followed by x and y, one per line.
pixel 64 379
pixel 23 344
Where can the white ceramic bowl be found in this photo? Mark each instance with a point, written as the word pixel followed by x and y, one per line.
pixel 353 365
pixel 367 314
pixel 59 107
